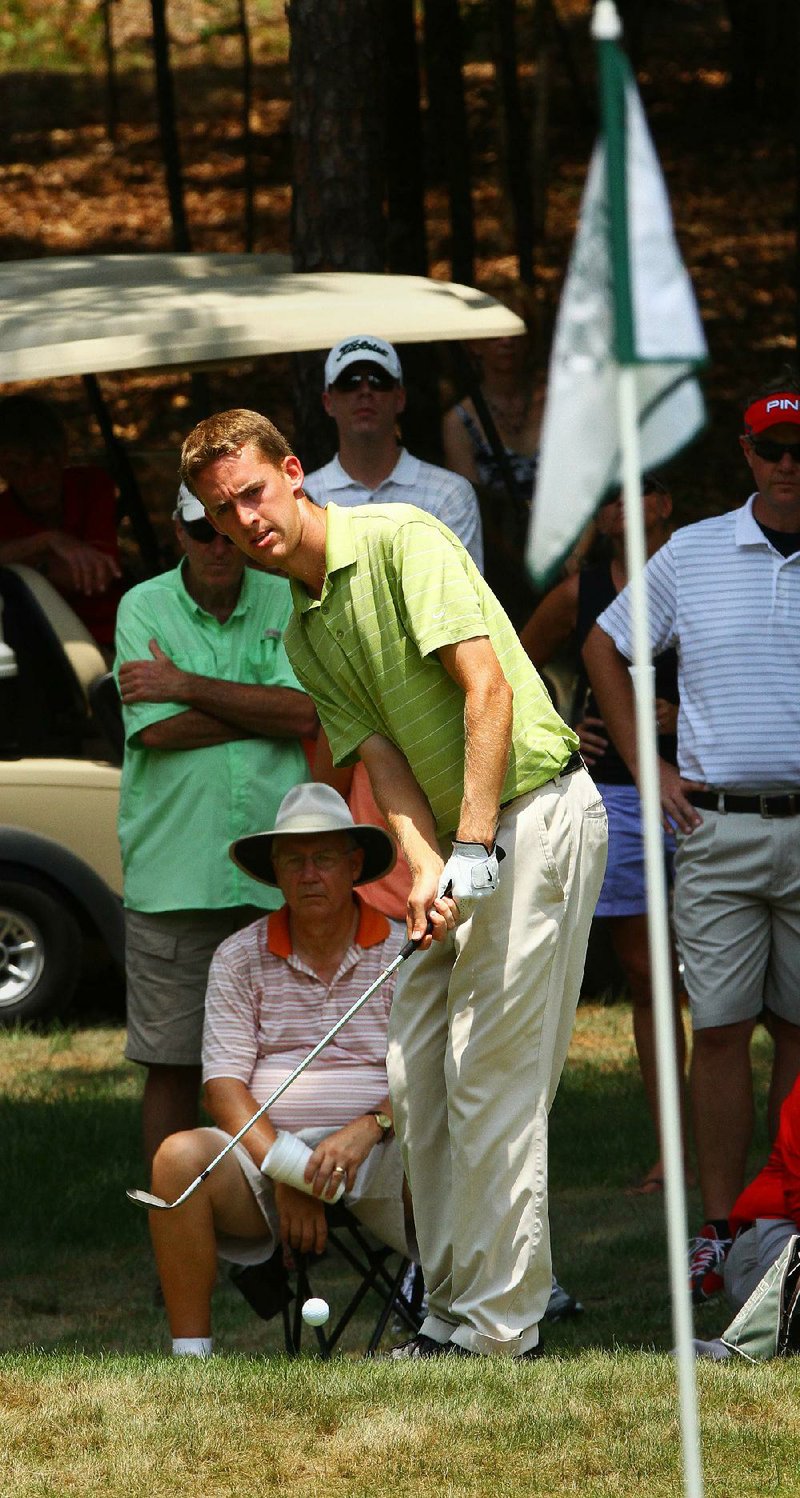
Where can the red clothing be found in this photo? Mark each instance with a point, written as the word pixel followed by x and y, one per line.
pixel 775 1192
pixel 89 513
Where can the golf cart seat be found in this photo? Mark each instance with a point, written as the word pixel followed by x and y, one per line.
pixel 272 1290
pixel 58 665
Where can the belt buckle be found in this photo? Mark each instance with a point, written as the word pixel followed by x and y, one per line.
pixel 763 809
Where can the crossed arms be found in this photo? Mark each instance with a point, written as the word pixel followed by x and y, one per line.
pixel 216 711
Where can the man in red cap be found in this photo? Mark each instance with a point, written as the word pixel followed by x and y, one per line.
pixel 726 593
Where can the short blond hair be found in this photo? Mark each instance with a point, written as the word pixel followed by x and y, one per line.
pixel 226 433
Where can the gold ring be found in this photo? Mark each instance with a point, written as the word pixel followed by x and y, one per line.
pixel 339 1170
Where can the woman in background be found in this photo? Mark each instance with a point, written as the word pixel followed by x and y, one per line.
pixel 568 612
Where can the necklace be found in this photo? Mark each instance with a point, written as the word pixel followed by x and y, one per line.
pixel 512 413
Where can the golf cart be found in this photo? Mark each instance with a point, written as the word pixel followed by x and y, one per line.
pixel 60 726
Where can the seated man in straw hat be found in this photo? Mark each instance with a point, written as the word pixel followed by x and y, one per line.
pixel 275 988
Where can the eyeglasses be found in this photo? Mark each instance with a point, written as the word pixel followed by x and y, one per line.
pixel 772 452
pixel 294 863
pixel 376 378
pixel 204 531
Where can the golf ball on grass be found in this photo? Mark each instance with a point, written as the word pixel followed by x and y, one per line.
pixel 315 1311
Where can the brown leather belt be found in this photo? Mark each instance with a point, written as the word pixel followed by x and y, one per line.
pixel 781 804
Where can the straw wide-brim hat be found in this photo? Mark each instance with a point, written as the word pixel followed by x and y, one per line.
pixel 305 811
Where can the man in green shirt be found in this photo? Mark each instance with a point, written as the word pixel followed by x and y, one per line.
pixel 213 714
pixel 415 669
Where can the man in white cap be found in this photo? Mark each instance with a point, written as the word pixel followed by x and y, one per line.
pixel 365 396
pixel 213 718
pixel 274 990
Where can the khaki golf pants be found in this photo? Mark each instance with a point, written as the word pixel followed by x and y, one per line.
pixel 479 1032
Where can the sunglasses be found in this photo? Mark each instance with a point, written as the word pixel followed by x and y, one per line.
pixel 350 379
pixel 649 486
pixel 772 452
pixel 203 530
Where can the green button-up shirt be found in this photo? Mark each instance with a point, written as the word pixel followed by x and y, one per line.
pixel 181 808
pixel 398 587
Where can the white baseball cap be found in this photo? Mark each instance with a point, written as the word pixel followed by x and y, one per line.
pixel 362 348
pixel 188 506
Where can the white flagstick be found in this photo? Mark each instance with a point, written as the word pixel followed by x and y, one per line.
pixel 658 934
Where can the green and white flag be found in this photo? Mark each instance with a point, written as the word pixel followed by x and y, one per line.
pixel 627 300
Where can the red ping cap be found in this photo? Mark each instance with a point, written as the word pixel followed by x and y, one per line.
pixel 782 408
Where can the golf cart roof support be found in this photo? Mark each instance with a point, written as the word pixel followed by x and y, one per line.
pixel 121 467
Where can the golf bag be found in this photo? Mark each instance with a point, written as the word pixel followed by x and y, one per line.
pixel 768 1325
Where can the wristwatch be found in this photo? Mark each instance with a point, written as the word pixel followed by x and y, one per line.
pixel 384 1124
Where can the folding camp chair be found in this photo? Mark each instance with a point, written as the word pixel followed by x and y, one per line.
pixel 273 1290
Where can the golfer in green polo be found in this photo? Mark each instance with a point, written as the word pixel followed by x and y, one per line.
pixel 415 669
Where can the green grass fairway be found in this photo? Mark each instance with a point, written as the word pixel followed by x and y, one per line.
pixel 89 1403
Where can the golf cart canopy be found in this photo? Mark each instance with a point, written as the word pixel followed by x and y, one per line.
pixel 89 314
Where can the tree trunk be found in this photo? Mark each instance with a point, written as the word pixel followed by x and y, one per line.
pixel 170 147
pixel 406 248
pixel 447 126
pixel 517 138
pixel 112 94
pixel 336 71
pixel 247 135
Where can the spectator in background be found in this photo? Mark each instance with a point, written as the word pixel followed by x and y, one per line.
pixel 568 613
pixel 365 397
pixel 274 990
pixel 58 518
pixel 726 593
pixel 514 398
pixel 213 716
pixel 515 405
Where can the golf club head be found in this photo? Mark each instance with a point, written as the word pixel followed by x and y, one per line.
pixel 146 1199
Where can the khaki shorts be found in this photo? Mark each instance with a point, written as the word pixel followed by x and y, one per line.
pixel 737 917
pixel 167 957
pixel 376 1200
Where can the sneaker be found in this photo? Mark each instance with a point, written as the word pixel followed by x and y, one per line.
pixel 561 1304
pixel 420 1347
pixel 707 1254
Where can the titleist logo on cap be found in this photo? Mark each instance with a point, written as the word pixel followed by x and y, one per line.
pixel 360 346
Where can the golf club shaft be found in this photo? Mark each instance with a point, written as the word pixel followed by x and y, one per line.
pixel 406 951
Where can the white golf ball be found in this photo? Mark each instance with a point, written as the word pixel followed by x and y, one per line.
pixel 315 1311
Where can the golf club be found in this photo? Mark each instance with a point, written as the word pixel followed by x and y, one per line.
pixel 146 1198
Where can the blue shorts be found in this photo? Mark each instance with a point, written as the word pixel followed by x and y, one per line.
pixel 623 891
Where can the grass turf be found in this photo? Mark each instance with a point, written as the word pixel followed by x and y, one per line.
pixel 89 1404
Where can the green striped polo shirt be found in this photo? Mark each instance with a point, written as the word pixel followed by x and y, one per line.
pixel 398 587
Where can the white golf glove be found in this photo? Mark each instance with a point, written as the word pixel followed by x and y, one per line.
pixel 470 871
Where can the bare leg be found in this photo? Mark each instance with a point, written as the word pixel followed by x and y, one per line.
pixel 785 1067
pixel 170 1103
pixel 184 1241
pixel 629 939
pixel 721 1082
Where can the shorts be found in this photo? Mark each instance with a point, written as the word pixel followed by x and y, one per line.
pixel 376 1200
pixel 737 917
pixel 167 957
pixel 624 891
pixel 752 1254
